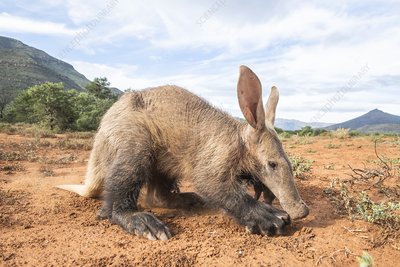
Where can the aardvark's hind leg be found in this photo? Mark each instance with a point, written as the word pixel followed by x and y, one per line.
pixel 164 192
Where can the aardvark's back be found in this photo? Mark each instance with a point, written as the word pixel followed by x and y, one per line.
pixel 178 113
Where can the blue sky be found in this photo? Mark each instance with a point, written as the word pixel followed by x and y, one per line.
pixel 331 60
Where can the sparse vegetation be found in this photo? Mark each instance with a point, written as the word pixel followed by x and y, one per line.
pixel 354 133
pixel 64 160
pixel 311 151
pixel 365 260
pixel 26 130
pixel 7 128
pixel 379 213
pixel 301 166
pixel 341 133
pixel 305 131
pixel 329 166
pixel 363 208
pixel 46 171
pixel 309 131
pixel 17 155
pixel 302 140
pixel 79 135
pixel 13 167
pixel 74 144
pixel 332 146
pixel 371 194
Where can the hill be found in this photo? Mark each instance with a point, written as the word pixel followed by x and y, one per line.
pixel 373 121
pixel 293 125
pixel 380 128
pixel 23 66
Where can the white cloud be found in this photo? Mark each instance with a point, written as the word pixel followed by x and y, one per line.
pixel 126 76
pixel 120 76
pixel 16 24
pixel 220 89
pixel 212 87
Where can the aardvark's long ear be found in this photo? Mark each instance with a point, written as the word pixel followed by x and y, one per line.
pixel 270 107
pixel 250 98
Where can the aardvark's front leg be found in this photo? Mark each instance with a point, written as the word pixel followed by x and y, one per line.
pixel 257 217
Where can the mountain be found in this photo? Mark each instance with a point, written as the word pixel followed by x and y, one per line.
pixel 373 121
pixel 23 66
pixel 292 125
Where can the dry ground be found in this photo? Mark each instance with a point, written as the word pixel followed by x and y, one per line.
pixel 41 225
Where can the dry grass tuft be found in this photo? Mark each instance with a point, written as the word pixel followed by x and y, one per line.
pixel 341 133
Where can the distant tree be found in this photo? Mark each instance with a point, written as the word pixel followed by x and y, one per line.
pixel 6 96
pixel 306 131
pixel 51 106
pixel 21 109
pixel 100 88
pixel 47 103
pixel 309 131
pixel 90 110
pixel 278 130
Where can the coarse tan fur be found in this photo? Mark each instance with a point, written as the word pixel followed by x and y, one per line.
pixel 159 136
pixel 174 139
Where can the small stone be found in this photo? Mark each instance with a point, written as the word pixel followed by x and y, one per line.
pixel 8 256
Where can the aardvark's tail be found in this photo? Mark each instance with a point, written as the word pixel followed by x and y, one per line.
pixel 80 189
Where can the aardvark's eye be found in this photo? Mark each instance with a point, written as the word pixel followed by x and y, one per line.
pixel 272 164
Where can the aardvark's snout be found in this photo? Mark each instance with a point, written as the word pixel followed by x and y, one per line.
pixel 296 210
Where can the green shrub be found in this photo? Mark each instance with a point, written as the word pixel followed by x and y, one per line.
pixel 379 213
pixel 90 110
pixel 365 260
pixel 354 133
pixel 382 213
pixel 332 146
pixel 278 130
pixel 7 128
pixel 47 104
pixel 305 131
pixel 51 107
pixel 286 134
pixel 301 166
pixel 341 133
